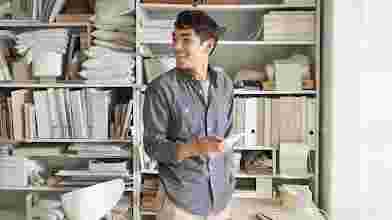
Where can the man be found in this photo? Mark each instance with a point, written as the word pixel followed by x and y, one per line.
pixel 187 113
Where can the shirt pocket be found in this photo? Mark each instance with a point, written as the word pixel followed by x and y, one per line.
pixel 189 115
pixel 184 112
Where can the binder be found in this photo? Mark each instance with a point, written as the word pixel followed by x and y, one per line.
pixel 43 119
pixel 260 121
pixel 311 110
pixel 251 122
pixel 19 97
pixel 267 122
pixel 54 113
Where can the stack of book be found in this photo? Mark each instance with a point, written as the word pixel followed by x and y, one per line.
pixel 289 26
pixel 63 113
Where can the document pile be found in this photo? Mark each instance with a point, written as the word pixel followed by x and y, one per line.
pixel 157 29
pixel 98 171
pixel 108 65
pixel 114 29
pixel 7 43
pixel 89 150
pixel 289 26
pixel 45 49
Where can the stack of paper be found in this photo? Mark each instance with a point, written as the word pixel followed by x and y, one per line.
pixel 114 29
pixel 88 177
pixel 7 42
pixel 107 166
pixel 108 65
pixel 158 29
pixel 47 47
pixel 99 150
pixel 289 25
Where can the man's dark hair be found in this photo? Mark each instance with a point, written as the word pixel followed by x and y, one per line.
pixel 203 25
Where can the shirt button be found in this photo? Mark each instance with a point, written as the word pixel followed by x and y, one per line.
pixel 209 129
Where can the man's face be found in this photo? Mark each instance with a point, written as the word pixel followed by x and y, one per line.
pixel 190 52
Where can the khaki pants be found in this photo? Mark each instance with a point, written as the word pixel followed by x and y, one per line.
pixel 170 211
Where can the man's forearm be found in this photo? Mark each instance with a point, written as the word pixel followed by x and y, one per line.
pixel 185 151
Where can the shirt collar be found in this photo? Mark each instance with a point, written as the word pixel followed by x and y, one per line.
pixel 212 75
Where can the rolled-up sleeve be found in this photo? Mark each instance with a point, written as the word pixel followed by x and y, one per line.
pixel 156 118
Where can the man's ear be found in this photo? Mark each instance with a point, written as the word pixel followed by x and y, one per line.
pixel 209 45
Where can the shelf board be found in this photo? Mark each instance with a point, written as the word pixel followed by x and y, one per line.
pixel 254 148
pixel 21 23
pixel 234 7
pixel 46 189
pixel 255 43
pixel 242 174
pixel 77 140
pixel 70 156
pixel 245 194
pixel 149 171
pixel 66 84
pixel 262 92
pixel 148 212
pixel 8 141
pixel 37 188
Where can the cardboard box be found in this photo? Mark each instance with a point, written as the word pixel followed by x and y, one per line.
pixel 21 71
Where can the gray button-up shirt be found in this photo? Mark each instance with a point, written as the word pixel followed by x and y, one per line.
pixel 174 112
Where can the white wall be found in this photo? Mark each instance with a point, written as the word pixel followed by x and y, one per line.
pixel 357 112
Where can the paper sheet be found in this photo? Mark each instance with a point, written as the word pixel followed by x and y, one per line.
pixel 232 139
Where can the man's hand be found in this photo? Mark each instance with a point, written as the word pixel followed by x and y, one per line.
pixel 210 145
